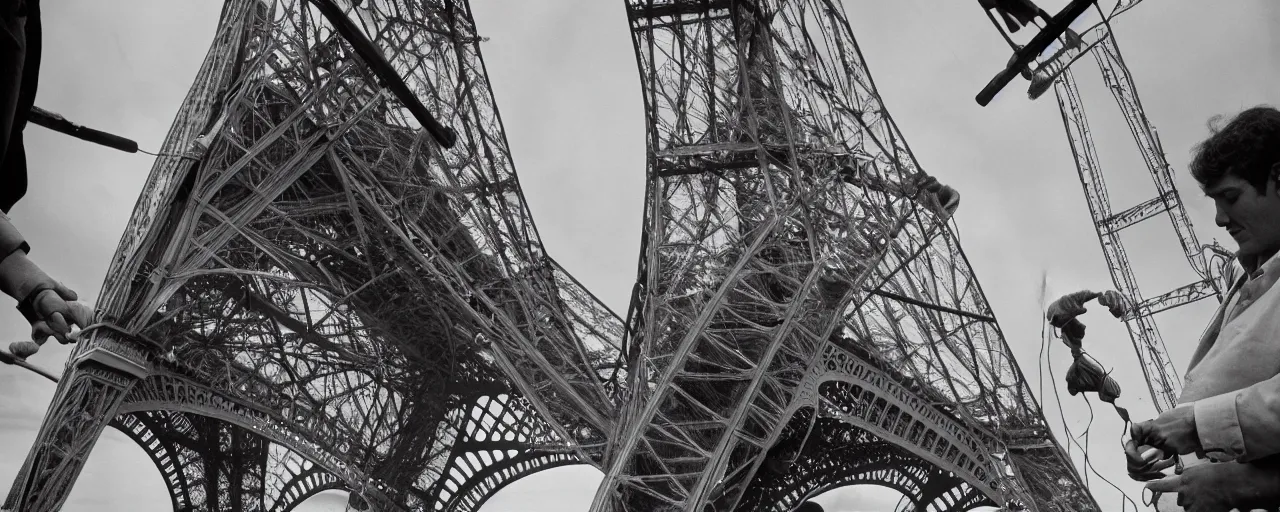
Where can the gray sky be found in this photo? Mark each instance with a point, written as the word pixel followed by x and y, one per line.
pixel 565 80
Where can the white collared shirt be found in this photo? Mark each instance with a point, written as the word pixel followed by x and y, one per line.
pixel 1234 384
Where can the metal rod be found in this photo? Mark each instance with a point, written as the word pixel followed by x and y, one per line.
pixel 8 358
pixel 57 123
pixel 935 307
pixel 1057 26
pixel 387 75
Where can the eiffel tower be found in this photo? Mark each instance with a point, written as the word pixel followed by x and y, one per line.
pixel 320 288
pixel 806 311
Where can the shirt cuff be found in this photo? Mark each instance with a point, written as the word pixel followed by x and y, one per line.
pixel 1218 427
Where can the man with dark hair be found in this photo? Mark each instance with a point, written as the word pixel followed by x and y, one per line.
pixel 48 305
pixel 1226 428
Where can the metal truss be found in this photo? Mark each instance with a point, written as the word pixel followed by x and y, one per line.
pixel 497 448
pixel 207 464
pixel 292 479
pixel 953 500
pixel 784 214
pixel 200 455
pixel 500 442
pixel 836 454
pixel 1048 67
pixel 312 294
pixel 309 266
pixel 1209 262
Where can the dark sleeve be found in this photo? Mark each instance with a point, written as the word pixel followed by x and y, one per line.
pixel 26 62
pixel 10 239
pixel 31 65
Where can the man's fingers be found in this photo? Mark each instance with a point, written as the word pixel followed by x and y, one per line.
pixel 1143 434
pixel 1170 484
pixel 1137 431
pixel 1164 464
pixel 59 326
pixel 48 306
pixel 40 332
pixel 1152 465
pixel 67 294
pixel 61 312
pixel 1138 460
pixel 23 349
pixel 47 302
pixel 1131 450
pixel 81 314
pixel 1147 477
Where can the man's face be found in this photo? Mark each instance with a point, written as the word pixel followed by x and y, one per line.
pixel 1251 217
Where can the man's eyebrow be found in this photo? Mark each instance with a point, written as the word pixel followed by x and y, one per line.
pixel 1219 190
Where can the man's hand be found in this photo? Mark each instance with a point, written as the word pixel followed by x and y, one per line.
pixel 1173 432
pixel 1148 465
pixel 50 306
pixel 1224 486
pixel 58 310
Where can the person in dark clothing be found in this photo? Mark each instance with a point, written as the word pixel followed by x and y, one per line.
pixel 20 62
pixel 1016 13
pixel 51 307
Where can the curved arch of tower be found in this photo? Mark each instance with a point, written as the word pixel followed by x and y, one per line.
pixel 313 293
pixel 839 454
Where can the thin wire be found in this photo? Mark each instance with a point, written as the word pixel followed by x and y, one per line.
pixel 1043 358
pixel 1057 395
pixel 1087 463
pixel 174 155
pixel 1087 428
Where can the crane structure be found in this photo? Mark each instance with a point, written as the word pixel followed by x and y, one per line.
pixel 331 280
pixel 1211 263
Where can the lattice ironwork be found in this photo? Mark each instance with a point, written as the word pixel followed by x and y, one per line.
pixel 835 453
pixel 311 266
pixel 1210 263
pixel 207 464
pixel 784 213
pixel 311 284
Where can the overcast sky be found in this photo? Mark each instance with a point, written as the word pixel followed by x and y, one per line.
pixel 565 80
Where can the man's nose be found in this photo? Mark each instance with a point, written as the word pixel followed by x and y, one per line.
pixel 1220 217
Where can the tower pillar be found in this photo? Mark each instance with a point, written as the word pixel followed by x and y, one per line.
pixel 100 373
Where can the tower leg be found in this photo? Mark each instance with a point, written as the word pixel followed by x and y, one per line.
pixel 101 373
